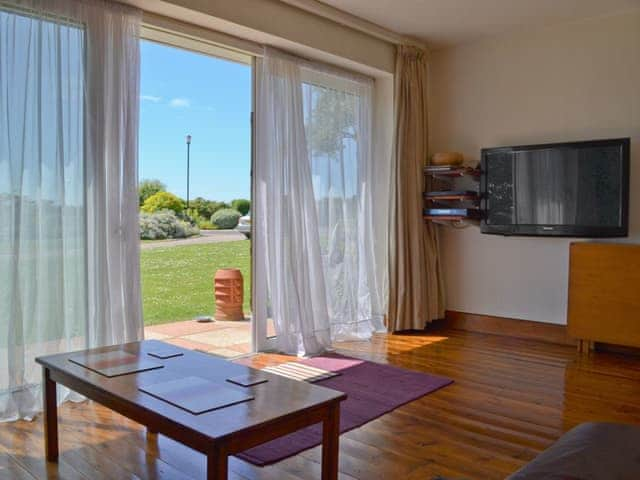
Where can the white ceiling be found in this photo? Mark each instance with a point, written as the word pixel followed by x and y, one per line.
pixel 442 23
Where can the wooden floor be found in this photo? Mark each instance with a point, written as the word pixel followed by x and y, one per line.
pixel 511 399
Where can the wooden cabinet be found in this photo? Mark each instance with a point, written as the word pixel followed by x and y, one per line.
pixel 604 293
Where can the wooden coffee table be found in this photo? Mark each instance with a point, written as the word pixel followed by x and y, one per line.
pixel 280 406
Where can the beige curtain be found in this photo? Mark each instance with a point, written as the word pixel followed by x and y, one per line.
pixel 416 294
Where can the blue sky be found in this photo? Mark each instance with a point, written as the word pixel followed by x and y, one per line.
pixel 184 93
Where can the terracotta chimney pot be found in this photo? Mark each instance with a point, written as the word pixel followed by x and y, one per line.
pixel 228 290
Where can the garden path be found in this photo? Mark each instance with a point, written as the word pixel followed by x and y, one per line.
pixel 206 236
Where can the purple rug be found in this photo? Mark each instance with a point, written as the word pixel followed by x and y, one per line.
pixel 373 389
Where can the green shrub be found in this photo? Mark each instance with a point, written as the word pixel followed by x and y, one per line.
pixel 150 227
pixel 163 201
pixel 196 219
pixel 165 224
pixel 226 218
pixel 191 214
pixel 242 205
pixel 206 225
pixel 147 188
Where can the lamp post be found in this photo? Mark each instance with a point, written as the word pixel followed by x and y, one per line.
pixel 188 152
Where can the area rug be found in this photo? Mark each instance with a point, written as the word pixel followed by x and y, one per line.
pixel 372 389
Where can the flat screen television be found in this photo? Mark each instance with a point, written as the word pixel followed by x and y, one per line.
pixel 577 189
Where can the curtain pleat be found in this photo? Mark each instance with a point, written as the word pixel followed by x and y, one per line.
pixel 416 293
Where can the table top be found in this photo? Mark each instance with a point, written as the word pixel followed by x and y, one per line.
pixel 275 399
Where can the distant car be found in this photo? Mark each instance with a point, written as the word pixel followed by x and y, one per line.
pixel 244 225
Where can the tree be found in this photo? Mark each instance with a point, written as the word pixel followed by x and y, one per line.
pixel 219 205
pixel 147 188
pixel 242 205
pixel 333 119
pixel 206 208
pixel 163 201
pixel 202 207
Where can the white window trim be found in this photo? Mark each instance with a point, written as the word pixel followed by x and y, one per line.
pixel 174 33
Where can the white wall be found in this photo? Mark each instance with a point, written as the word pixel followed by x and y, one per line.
pixel 568 82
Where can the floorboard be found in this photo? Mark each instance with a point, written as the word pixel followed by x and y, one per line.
pixel 511 399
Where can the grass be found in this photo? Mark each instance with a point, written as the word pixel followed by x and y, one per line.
pixel 177 282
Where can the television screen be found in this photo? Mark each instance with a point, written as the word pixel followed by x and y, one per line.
pixel 569 189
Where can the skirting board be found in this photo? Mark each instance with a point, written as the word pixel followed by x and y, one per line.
pixel 509 327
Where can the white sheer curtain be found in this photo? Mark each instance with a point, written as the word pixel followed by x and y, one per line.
pixel 338 123
pixel 315 172
pixel 68 172
pixel 286 215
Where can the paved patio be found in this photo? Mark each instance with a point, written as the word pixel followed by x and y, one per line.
pixel 227 339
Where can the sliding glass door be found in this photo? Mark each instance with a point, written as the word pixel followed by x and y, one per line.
pixel 195 195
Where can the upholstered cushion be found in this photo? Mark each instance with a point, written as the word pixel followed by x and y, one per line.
pixel 591 451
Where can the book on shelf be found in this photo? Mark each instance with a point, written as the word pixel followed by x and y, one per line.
pixel 452 193
pixel 442 168
pixel 452 212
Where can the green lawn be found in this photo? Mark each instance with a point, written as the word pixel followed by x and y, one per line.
pixel 177 282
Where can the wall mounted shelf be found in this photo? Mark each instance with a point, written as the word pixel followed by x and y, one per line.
pixel 448 218
pixel 452 171
pixel 441 194
pixel 459 196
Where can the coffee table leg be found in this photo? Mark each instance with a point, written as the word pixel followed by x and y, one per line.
pixel 152 436
pixel 217 464
pixel 330 443
pixel 50 416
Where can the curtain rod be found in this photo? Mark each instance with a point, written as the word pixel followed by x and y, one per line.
pixel 39 14
pixel 356 23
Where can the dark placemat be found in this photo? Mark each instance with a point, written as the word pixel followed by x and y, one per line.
pixel 196 395
pixel 164 352
pixel 248 380
pixel 115 363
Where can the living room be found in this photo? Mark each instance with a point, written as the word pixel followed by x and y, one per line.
pixel 445 242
